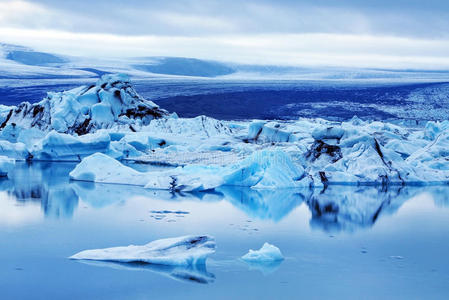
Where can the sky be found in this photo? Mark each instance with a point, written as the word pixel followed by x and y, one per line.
pixel 396 34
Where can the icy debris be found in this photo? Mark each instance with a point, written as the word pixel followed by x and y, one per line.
pixel 268 253
pixel 6 165
pixel 185 250
pixel 111 102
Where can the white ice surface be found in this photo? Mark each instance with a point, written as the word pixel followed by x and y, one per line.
pixel 268 253
pixel 261 170
pixel 185 250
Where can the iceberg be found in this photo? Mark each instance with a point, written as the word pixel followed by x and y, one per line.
pixel 63 147
pixel 111 102
pixel 261 170
pixel 267 254
pixel 6 165
pixel 102 168
pixel 17 151
pixel 185 250
pixel 111 119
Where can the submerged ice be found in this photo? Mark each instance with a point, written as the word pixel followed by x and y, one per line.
pixel 185 250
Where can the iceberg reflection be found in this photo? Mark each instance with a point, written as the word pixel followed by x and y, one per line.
pixel 193 273
pixel 337 208
pixel 45 184
pixel 347 208
pixel 264 204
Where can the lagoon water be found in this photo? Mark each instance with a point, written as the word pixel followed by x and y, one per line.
pixel 341 243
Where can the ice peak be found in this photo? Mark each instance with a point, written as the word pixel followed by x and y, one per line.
pixel 111 102
pixel 110 80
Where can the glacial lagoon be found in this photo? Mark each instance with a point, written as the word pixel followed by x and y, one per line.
pixel 344 242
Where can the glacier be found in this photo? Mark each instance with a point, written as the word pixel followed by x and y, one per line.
pixel 181 251
pixel 109 124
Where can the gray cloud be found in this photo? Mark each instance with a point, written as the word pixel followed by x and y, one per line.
pixel 396 34
pixel 199 17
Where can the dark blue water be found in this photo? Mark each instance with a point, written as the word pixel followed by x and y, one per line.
pixel 342 243
pixel 262 99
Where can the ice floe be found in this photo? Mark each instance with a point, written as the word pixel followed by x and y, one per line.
pixel 268 253
pixel 185 250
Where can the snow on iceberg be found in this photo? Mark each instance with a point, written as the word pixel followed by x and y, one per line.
pixel 6 165
pixel 185 250
pixel 111 102
pixel 102 168
pixel 268 253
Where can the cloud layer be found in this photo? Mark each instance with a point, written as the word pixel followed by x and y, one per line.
pixel 402 34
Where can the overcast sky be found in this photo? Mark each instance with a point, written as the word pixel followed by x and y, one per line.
pixel 370 33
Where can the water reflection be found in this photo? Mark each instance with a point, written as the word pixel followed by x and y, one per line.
pixel 338 208
pixel 264 204
pixel 265 268
pixel 44 184
pixel 192 274
pixel 346 208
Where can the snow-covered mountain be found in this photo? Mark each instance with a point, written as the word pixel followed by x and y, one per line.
pixel 23 62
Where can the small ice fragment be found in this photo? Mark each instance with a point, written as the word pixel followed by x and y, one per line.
pixel 268 253
pixel 396 257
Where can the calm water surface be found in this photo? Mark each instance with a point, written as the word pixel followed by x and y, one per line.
pixel 343 243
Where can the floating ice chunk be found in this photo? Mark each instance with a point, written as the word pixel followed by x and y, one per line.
pixel 102 168
pixel 6 165
pixel 261 170
pixel 63 147
pixel 268 253
pixel 17 151
pixel 185 250
pixel 189 179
